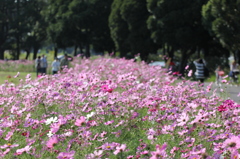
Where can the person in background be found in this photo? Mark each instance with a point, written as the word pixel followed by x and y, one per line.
pixel 170 65
pixel 234 71
pixel 219 73
pixel 44 65
pixel 55 66
pixel 38 65
pixel 199 64
pixel 64 62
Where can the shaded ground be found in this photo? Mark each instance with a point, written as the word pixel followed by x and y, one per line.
pixel 228 91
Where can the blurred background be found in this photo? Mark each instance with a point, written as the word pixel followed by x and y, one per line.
pixel 153 30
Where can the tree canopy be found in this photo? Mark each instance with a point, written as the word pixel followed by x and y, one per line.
pixel 221 18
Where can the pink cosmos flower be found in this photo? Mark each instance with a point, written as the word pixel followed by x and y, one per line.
pixel 29 122
pixel 25 149
pixel 232 143
pixel 95 154
pixel 144 152
pixel 66 155
pixel 120 148
pixel 9 135
pixel 53 140
pixel 224 81
pixel 176 73
pixel 190 73
pixel 160 152
pixel 103 134
pixel 16 75
pixel 110 90
pixel 108 146
pixel 55 127
pixel 235 155
pixel 2 154
pixel 105 88
pixel 109 122
pixel 183 119
pixel 142 146
pixel 118 133
pixel 80 121
pixel 8 146
pixel 195 157
pixel 135 115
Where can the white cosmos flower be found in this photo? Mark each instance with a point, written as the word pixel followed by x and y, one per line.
pixel 90 115
pixel 50 134
pixel 51 120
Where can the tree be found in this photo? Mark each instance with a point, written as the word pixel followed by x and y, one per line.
pixel 135 13
pixel 100 32
pixel 119 29
pixel 178 24
pixel 128 26
pixel 222 20
pixel 89 20
pixel 35 32
pixel 55 15
pixel 6 7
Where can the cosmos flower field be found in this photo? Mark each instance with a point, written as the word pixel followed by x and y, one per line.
pixel 116 109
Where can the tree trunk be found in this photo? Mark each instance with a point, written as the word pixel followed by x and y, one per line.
pixel 171 52
pixel 35 51
pixel 183 62
pixel 55 52
pixel 237 56
pixel 81 48
pixel 18 33
pixel 123 54
pixel 198 52
pixel 28 53
pixel 87 53
pixel 1 53
pixel 184 59
pixel 75 50
pixel 144 56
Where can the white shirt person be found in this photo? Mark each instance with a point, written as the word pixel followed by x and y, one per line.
pixel 55 66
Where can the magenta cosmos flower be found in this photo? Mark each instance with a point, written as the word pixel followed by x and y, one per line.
pixel 222 108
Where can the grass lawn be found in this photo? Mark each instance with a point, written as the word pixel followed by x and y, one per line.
pixel 10 76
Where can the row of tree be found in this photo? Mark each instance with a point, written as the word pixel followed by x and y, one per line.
pixel 124 26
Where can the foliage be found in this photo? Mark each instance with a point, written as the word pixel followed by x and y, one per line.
pixel 119 29
pixel 5 21
pixel 221 18
pixel 129 30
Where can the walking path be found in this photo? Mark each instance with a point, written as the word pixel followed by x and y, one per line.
pixel 227 91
